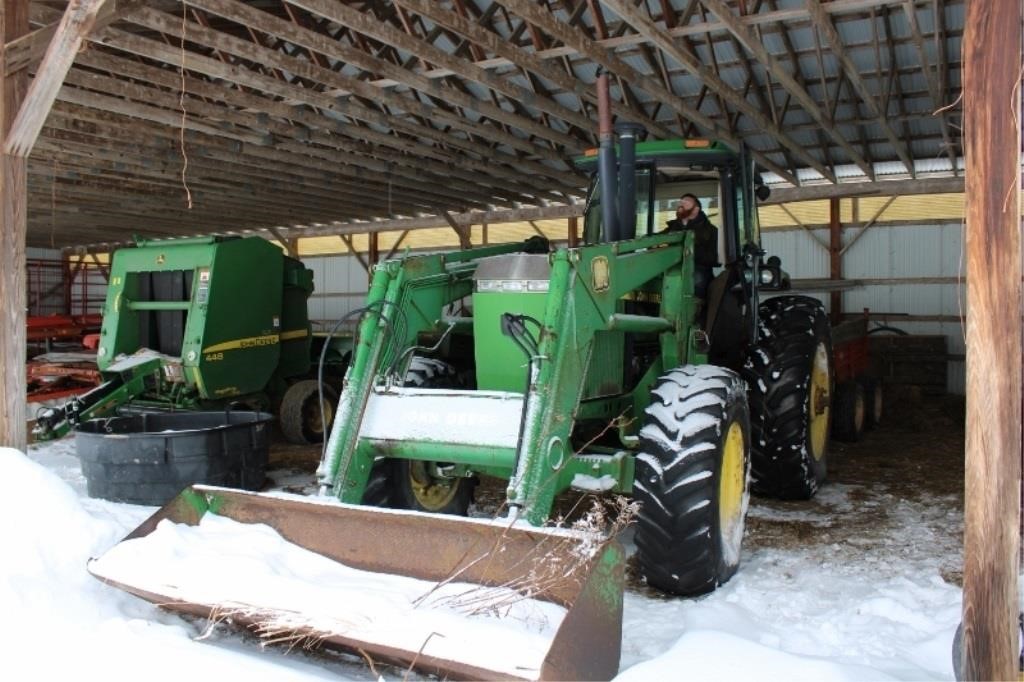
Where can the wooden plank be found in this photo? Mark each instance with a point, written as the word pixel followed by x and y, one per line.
pixel 14 23
pixel 74 26
pixel 864 189
pixel 992 137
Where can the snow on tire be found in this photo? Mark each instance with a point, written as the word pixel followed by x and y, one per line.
pixel 789 379
pixel 430 373
pixel 691 479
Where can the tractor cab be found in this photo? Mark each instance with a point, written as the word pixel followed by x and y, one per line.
pixel 649 181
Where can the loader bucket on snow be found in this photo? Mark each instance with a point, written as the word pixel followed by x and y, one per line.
pixel 562 569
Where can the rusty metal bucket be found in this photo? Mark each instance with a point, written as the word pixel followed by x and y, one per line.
pixel 586 644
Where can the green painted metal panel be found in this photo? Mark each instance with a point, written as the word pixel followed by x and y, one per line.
pixel 233 334
pixel 500 363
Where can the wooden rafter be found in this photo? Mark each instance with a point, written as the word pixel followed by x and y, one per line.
pixel 709 77
pixel 743 33
pixel 827 29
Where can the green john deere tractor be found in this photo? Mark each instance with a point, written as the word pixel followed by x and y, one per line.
pixel 597 368
pixel 594 367
pixel 202 324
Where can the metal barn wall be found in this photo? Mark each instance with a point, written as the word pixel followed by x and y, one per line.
pixel 892 251
pixel 340 285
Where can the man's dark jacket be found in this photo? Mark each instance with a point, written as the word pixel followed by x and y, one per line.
pixel 705 239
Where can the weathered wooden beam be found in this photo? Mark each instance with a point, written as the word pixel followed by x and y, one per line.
pixel 828 30
pixel 934 91
pixel 398 244
pixel 863 189
pixel 368 24
pixel 74 26
pixel 544 19
pixel 461 230
pixel 26 52
pixel 709 76
pixel 760 52
pixel 13 225
pixel 527 61
pixel 560 51
pixel 817 240
pixel 867 226
pixel 992 138
pixel 349 244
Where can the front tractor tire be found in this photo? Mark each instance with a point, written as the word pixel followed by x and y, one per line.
pixel 300 417
pixel 418 485
pixel 789 374
pixel 691 479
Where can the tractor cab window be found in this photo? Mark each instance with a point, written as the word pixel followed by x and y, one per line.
pixel 592 222
pixel 673 183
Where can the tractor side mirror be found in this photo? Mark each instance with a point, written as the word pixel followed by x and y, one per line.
pixel 762 192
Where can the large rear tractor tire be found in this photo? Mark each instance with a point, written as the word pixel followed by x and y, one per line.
pixel 301 419
pixel 691 479
pixel 418 485
pixel 789 375
pixel 849 412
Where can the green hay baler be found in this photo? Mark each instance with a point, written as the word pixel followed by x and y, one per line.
pixel 204 324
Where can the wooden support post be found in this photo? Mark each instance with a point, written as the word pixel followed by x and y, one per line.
pixel 992 61
pixel 835 250
pixel 13 214
pixel 574 232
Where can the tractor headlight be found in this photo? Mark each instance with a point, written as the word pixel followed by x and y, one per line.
pixel 767 277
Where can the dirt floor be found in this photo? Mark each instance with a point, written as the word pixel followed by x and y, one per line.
pixel 907 470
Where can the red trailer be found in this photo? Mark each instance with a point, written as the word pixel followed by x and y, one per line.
pixel 857 403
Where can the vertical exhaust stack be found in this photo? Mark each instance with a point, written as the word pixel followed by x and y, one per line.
pixel 628 134
pixel 606 167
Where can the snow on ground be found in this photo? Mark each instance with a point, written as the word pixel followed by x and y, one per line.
pixel 833 606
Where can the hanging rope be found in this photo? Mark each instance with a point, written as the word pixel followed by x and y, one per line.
pixel 181 103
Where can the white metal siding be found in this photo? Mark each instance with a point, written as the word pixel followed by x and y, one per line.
pixel 339 286
pixel 891 251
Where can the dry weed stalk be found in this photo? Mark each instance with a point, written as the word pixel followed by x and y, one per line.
pixel 271 626
pixel 552 566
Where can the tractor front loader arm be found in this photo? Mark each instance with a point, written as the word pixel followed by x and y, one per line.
pixel 407 296
pixel 125 382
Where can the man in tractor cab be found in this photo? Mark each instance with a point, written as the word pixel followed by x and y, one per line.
pixel 690 216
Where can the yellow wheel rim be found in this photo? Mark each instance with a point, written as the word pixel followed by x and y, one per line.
pixel 314 418
pixel 731 484
pixel 431 493
pixel 820 400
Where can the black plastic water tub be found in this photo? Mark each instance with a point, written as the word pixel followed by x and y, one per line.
pixel 149 458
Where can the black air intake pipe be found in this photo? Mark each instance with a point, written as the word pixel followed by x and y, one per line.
pixel 628 134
